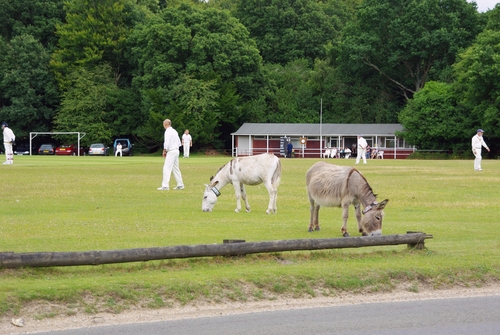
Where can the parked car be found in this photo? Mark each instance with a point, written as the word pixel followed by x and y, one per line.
pixel 70 149
pixel 98 149
pixel 126 146
pixel 24 149
pixel 47 149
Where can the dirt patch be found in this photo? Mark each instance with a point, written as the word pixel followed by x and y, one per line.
pixel 32 325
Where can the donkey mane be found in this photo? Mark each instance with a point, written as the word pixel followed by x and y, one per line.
pixel 223 166
pixel 367 189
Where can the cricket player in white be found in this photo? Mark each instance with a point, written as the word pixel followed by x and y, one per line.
pixel 171 155
pixel 477 143
pixel 8 140
pixel 361 149
pixel 187 142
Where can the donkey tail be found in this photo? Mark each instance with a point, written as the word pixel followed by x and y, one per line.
pixel 277 174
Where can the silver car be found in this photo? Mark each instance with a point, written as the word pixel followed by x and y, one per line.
pixel 98 149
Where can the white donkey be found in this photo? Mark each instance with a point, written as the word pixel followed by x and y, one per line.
pixel 241 171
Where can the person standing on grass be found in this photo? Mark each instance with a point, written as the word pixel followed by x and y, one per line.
pixel 477 143
pixel 362 144
pixel 118 149
pixel 187 142
pixel 289 150
pixel 8 142
pixel 171 146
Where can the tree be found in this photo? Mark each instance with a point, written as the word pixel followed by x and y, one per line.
pixel 287 30
pixel 478 77
pixel 196 61
pixel 37 18
pixel 28 89
pixel 94 34
pixel 435 119
pixel 292 99
pixel 404 41
pixel 85 104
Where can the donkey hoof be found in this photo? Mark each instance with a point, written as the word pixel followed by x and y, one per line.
pixel 310 230
pixel 346 234
pixel 317 228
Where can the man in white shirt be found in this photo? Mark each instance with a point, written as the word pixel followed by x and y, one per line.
pixel 477 143
pixel 171 154
pixel 119 150
pixel 8 141
pixel 187 142
pixel 362 144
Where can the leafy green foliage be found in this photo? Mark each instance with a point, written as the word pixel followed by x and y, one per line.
pixel 85 105
pixel 434 119
pixel 478 78
pixel 211 66
pixel 287 30
pixel 403 41
pixel 201 63
pixel 28 89
pixel 292 100
pixel 94 34
pixel 31 17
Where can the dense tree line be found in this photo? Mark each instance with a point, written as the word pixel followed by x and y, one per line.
pixel 119 67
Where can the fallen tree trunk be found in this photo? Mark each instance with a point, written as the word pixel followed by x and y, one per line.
pixel 45 259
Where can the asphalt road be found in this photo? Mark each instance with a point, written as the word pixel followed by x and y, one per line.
pixel 456 316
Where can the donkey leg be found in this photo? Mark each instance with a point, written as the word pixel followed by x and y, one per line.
pixel 237 192
pixel 316 215
pixel 244 197
pixel 345 216
pixel 357 207
pixel 313 223
pixel 271 208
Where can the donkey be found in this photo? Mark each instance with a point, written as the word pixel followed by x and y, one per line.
pixel 250 170
pixel 330 185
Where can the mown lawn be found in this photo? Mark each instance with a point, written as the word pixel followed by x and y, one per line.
pixel 108 203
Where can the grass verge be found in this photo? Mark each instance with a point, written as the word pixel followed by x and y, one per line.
pixel 107 203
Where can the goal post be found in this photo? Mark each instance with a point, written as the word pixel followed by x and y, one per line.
pixel 36 133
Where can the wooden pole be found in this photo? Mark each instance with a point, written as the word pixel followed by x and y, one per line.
pixel 45 259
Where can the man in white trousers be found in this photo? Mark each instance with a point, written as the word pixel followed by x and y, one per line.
pixel 187 142
pixel 8 141
pixel 171 154
pixel 362 144
pixel 477 143
pixel 119 150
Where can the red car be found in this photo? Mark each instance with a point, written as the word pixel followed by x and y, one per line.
pixel 69 149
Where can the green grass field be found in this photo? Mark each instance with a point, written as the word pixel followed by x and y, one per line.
pixel 108 203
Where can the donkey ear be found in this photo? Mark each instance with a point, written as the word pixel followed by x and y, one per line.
pixel 382 204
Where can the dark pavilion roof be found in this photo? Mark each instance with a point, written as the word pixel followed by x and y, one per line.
pixel 313 129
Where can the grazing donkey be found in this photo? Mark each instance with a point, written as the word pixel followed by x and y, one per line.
pixel 250 170
pixel 330 185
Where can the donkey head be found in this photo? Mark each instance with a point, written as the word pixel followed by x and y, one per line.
pixel 209 197
pixel 371 222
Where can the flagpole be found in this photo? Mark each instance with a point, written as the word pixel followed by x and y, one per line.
pixel 321 130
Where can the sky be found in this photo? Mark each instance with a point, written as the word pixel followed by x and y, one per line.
pixel 485 5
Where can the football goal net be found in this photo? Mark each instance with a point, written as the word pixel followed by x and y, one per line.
pixel 35 134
